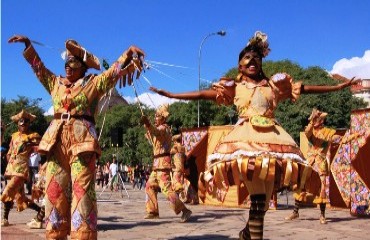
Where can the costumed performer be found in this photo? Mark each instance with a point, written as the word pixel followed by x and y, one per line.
pixel 71 142
pixel 257 144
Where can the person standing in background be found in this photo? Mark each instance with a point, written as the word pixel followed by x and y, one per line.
pixel 137 178
pixel 33 164
pixel 106 173
pixel 113 170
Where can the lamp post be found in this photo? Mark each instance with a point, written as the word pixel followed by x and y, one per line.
pixel 221 33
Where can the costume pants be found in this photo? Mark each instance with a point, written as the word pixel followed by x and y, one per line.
pixel 14 190
pixel 178 181
pixel 161 179
pixel 70 199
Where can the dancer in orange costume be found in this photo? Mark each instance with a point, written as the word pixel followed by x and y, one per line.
pixel 160 136
pixel 257 144
pixel 71 142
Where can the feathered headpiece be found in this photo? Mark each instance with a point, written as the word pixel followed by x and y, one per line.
pixel 163 110
pixel 258 43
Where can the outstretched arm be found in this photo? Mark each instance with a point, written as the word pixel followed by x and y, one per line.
pixel 208 94
pixel 325 89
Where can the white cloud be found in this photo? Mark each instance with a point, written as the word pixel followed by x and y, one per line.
pixel 152 100
pixel 354 67
pixel 49 112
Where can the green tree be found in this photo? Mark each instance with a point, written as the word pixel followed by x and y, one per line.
pixel 12 107
pixel 135 148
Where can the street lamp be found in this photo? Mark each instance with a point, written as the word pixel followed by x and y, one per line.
pixel 221 33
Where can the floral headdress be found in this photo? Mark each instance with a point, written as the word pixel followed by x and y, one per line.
pixel 257 43
pixel 163 111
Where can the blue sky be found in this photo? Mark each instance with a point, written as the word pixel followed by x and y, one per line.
pixel 311 33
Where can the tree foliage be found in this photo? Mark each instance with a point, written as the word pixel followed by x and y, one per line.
pixel 12 107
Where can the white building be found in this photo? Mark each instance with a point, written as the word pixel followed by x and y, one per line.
pixel 362 90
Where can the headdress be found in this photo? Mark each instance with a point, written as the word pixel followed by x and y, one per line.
pixel 23 114
pixel 317 115
pixel 258 43
pixel 75 49
pixel 163 111
pixel 176 138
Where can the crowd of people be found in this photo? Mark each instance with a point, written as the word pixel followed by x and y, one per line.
pixel 106 174
pixel 256 144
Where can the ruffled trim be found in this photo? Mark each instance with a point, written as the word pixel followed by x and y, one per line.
pixel 284 87
pixel 216 158
pixel 319 200
pixel 225 89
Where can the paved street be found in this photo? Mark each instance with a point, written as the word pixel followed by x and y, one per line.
pixel 122 218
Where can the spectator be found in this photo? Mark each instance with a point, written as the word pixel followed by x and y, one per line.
pixel 33 164
pixel 99 176
pixel 113 168
pixel 106 173
pixel 137 173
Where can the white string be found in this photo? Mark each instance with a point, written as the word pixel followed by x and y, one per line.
pixel 105 114
pixel 147 94
pixel 167 64
pixel 159 71
pixel 136 67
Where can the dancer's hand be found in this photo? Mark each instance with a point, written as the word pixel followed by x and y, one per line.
pixel 20 38
pixel 144 121
pixel 346 82
pixel 159 91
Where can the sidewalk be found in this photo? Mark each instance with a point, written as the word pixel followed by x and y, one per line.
pixel 122 218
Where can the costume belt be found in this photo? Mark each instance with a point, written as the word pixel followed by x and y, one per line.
pixel 67 116
pixel 161 155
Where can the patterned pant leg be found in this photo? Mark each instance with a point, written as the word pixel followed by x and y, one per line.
pixel 164 180
pixel 323 187
pixel 177 181
pixel 84 208
pixel 151 201
pixel 57 196
pixel 14 190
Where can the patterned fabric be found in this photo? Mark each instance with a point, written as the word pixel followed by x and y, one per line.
pixel 178 153
pixel 14 191
pixel 73 146
pixel 319 140
pixel 161 179
pixel 350 164
pixel 20 149
pixel 70 192
pixel 192 138
pixel 80 98
pixel 161 138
